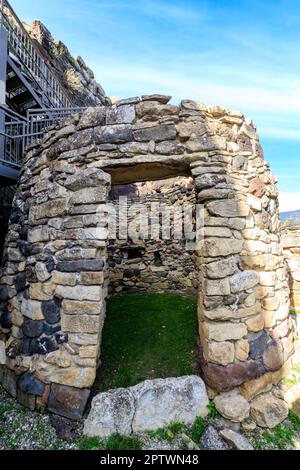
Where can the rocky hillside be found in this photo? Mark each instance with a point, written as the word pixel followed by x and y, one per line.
pixel 290 215
pixel 76 76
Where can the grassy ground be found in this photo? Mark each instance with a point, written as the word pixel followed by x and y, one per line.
pixel 147 336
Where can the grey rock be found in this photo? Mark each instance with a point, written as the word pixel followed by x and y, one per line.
pixel 236 440
pixel 211 440
pixel 113 134
pixel 161 401
pixel 28 383
pixel 268 411
pixel 67 401
pixel 243 281
pixel 120 115
pixel 66 429
pixel 149 405
pixel 32 328
pixel 91 177
pixel 257 344
pixel 51 310
pixel 20 282
pixel 111 412
pixel 163 99
pixel 81 265
pixel 155 133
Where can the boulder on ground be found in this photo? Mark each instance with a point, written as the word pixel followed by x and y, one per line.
pixel 150 405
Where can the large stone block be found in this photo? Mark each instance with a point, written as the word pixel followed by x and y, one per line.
pixel 268 411
pixel 223 331
pixel 81 265
pixel 156 133
pixel 147 406
pixel 215 247
pixel 53 208
pixel 224 378
pixel 228 208
pixel 66 401
pixel 111 412
pixel 232 406
pixel 80 292
pixel 243 281
pixel 81 323
pixel 73 307
pixel 31 385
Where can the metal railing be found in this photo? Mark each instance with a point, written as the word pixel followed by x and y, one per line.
pixel 6 196
pixel 32 62
pixel 38 120
pixel 21 131
pixel 12 142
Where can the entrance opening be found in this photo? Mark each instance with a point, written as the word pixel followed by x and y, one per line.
pixel 150 329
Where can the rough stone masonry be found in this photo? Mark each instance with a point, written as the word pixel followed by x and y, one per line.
pixel 55 276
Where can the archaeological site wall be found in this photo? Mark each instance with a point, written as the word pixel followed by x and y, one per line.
pixel 154 265
pixel 56 272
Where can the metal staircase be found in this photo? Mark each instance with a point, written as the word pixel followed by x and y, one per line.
pixel 31 95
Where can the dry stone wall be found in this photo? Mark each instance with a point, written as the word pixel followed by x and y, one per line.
pixel 290 237
pixel 55 276
pixel 154 265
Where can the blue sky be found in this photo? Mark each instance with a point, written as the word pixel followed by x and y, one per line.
pixel 243 54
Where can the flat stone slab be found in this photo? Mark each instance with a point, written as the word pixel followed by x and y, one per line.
pixel 149 405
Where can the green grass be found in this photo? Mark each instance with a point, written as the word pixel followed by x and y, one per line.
pixel 281 436
pixel 213 412
pixel 295 420
pixel 168 433
pixel 147 336
pixel 197 429
pixel 3 410
pixel 113 442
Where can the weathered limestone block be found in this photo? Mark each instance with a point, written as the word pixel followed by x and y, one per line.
pixel 81 323
pixel 147 406
pixel 215 247
pixel 254 387
pixel 42 272
pixel 155 133
pixel 111 412
pixel 93 293
pixel 232 406
pixel 223 268
pixel 236 440
pixel 268 411
pixel 65 279
pixel 231 208
pixel 218 287
pixel 242 350
pixel 32 309
pixel 243 281
pixel 220 352
pixel 120 115
pixel 54 208
pixel 74 307
pixel 223 331
pixel 89 195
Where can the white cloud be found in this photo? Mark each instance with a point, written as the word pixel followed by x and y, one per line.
pixel 289 201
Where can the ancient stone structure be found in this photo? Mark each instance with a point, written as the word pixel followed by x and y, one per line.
pixel 55 276
pixel 154 265
pixel 290 237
